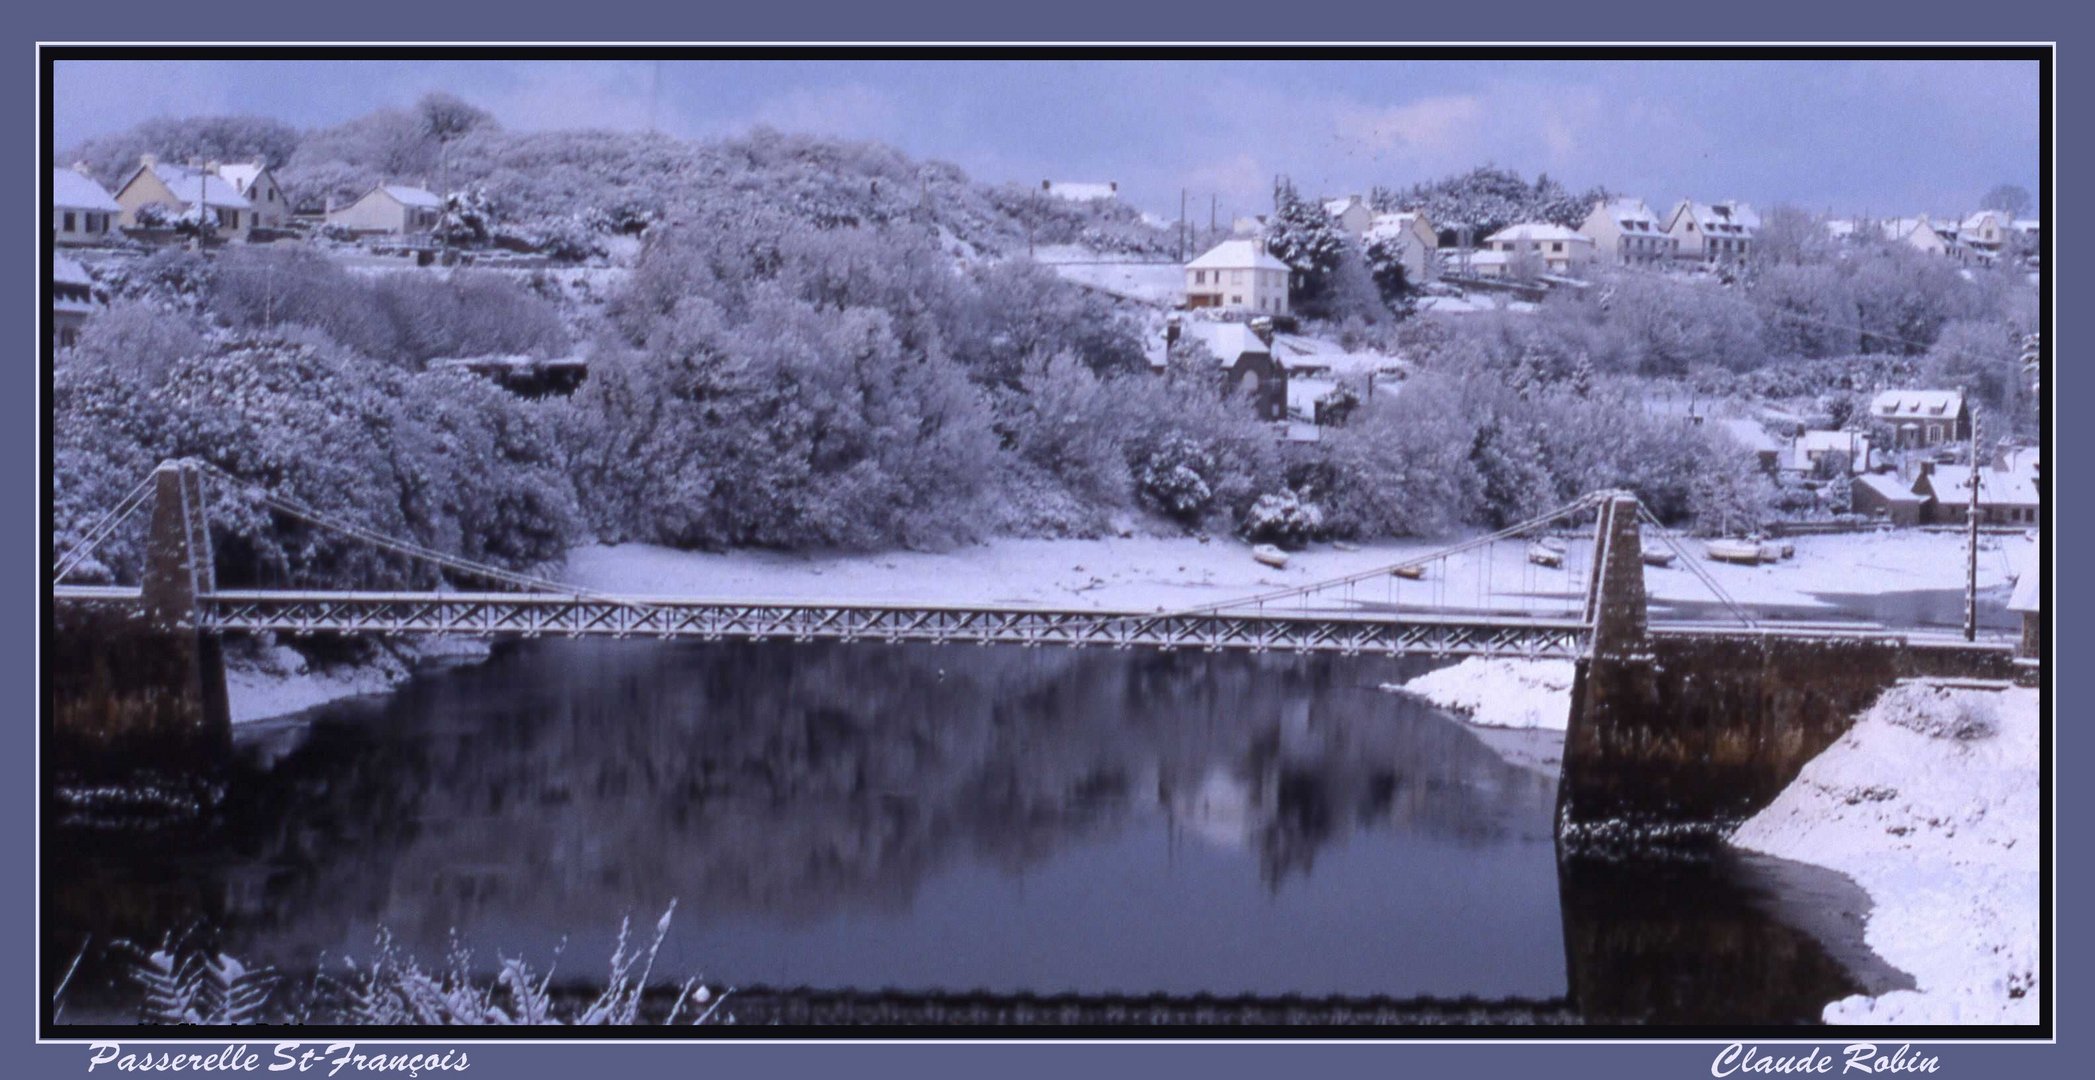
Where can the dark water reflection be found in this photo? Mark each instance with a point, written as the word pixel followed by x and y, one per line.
pixel 917 817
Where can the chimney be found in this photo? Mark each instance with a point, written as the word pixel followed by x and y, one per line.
pixel 1262 329
pixel 1113 186
pixel 1047 185
pixel 81 168
pixel 148 160
pixel 211 167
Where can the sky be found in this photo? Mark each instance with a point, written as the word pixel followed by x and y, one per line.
pixel 1879 137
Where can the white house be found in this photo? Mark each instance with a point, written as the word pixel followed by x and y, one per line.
pixel 1556 249
pixel 1080 192
pixel 1812 449
pixel 81 212
pixel 1418 244
pixel 1985 232
pixel 255 183
pixel 1916 232
pixel 1352 214
pixel 1712 232
pixel 1625 231
pixel 179 188
pixel 1238 274
pixel 390 208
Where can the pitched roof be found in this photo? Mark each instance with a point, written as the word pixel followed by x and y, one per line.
pixel 1335 207
pixel 72 191
pixel 1995 488
pixel 1917 404
pixel 1237 255
pixel 1397 224
pixel 412 196
pixel 1723 219
pixel 1535 231
pixel 1226 340
pixel 184 183
pixel 65 271
pixel 1631 214
pixel 1890 488
pixel 243 174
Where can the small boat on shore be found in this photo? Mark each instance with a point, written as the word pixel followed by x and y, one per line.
pixel 1542 554
pixel 1742 552
pixel 1657 558
pixel 1409 573
pixel 1270 555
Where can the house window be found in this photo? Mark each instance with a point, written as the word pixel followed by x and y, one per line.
pixel 1236 299
pixel 1557 246
pixel 1200 277
pixel 68 337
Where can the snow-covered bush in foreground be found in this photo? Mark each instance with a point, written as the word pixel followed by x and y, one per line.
pixel 182 984
pixel 1930 802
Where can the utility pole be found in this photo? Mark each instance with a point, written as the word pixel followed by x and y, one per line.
pixel 1212 200
pixel 1182 225
pixel 1971 543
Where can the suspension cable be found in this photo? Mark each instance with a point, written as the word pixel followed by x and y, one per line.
pixel 101 529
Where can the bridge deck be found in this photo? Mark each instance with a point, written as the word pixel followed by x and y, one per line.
pixel 525 615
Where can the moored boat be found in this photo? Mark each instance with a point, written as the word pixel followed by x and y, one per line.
pixel 1744 552
pixel 1657 558
pixel 1270 555
pixel 1409 573
pixel 1541 554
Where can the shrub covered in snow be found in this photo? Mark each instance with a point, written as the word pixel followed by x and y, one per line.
pixel 1282 519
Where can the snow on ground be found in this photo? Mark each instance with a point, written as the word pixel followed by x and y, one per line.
pixel 1500 693
pixel 1930 804
pixel 1175 573
pixel 1143 280
pixel 1469 303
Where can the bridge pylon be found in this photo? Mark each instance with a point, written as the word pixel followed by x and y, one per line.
pixel 178 561
pixel 1615 598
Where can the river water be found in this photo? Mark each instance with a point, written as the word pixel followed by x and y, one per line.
pixel 947 818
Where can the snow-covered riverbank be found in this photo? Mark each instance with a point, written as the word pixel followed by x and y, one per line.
pixel 1170 573
pixel 274 681
pixel 1930 804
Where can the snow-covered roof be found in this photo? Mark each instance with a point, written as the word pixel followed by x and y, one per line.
pixel 413 196
pixel 1536 232
pixel 1995 488
pixel 184 182
pixel 1631 214
pixel 1978 220
pixel 1724 218
pixel 1237 255
pixel 1917 404
pixel 65 271
pixel 1396 224
pixel 1226 340
pixel 2028 225
pixel 1335 207
pixel 72 191
pixel 1890 488
pixel 1076 191
pixel 243 174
